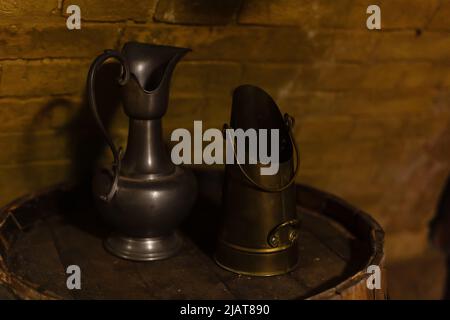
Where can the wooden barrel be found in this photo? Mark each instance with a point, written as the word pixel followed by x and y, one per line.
pixel 44 233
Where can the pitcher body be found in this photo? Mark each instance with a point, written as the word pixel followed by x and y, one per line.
pixel 145 196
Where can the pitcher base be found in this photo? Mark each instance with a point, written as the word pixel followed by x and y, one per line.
pixel 143 249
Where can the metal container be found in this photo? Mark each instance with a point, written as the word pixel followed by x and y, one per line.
pixel 145 196
pixel 259 230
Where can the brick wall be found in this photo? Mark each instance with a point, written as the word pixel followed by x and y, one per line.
pixel 373 120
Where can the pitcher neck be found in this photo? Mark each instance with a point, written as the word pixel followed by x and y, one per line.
pixel 146 153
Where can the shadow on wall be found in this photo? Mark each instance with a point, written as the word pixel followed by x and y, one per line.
pixel 204 11
pixel 440 231
pixel 81 135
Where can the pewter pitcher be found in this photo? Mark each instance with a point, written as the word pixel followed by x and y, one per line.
pixel 145 196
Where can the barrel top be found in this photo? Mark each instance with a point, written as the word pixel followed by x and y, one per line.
pixel 43 233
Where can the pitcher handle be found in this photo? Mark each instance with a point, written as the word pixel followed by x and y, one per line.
pixel 123 79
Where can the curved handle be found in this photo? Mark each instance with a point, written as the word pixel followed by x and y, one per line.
pixel 124 77
pixel 289 121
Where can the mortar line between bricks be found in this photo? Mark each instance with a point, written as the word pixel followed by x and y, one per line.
pixel 53 132
pixel 19 59
pixel 68 58
pixel 431 17
pixel 36 163
pixel 57 24
pixel 152 23
pixel 31 97
pixel 319 28
pixel 298 93
pixel 118 21
pixel 119 38
pixel 238 25
pixel 39 97
pixel 43 132
pixel 61 7
pixel 235 17
pixel 361 62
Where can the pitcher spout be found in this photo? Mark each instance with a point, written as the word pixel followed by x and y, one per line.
pixel 151 67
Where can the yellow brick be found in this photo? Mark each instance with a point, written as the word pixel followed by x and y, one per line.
pixel 406 45
pixel 317 178
pixel 19 180
pixel 373 103
pixel 204 79
pixel 15 11
pixel 383 102
pixel 277 79
pixel 395 14
pixel 353 46
pixel 308 103
pixel 390 46
pixel 392 75
pixel 43 77
pixel 196 12
pixel 114 10
pixel 22 148
pixel 37 114
pixel 399 244
pixel 290 79
pixel 42 40
pixel 284 12
pixel 440 18
pixel 445 78
pixel 182 112
pixel 323 129
pixel 332 77
pixel 337 14
pixel 217 112
pixel 344 181
pixel 235 43
pixel 44 146
pixel 308 14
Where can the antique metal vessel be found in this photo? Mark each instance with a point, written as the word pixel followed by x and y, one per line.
pixel 145 196
pixel 259 230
